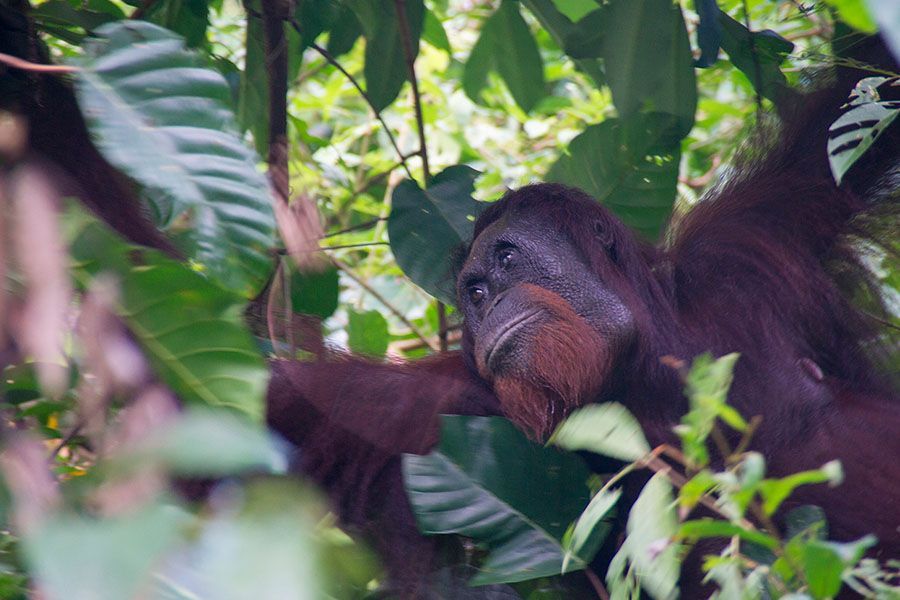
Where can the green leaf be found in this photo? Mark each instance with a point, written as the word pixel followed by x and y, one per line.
pixel 776 491
pixel 652 525
pixel 486 481
pixel 122 552
pixel 631 166
pixel 585 40
pixel 187 18
pixel 806 520
pixel 367 332
pixel 314 293
pixel 607 429
pixel 856 130
pixel 648 60
pixel 204 443
pixel 507 46
pixel 575 9
pixel 190 330
pixel 385 61
pixel 344 33
pixel 580 543
pixel 758 55
pixel 709 528
pixel 855 14
pixel 433 33
pixel 560 26
pixel 164 121
pixel 709 32
pixel 425 227
pixel 823 568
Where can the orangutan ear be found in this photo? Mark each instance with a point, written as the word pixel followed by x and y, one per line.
pixel 606 237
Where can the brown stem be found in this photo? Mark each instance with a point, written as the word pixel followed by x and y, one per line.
pixel 141 10
pixel 18 63
pixel 596 583
pixel 406 39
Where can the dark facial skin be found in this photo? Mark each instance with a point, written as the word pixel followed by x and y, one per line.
pixel 529 298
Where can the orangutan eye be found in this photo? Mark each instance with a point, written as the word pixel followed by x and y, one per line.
pixel 476 295
pixel 505 258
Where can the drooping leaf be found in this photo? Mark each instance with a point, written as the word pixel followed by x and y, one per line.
pixel 856 130
pixel 386 67
pixel 631 166
pixel 652 525
pixel 507 46
pixel 488 482
pixel 711 528
pixel 425 226
pixel 190 329
pixel 607 429
pixel 585 39
pixel 648 61
pixel 367 332
pixel 61 14
pixel 433 32
pixel 344 33
pixel 758 55
pixel 164 120
pixel 580 544
pixel 560 26
pixel 709 32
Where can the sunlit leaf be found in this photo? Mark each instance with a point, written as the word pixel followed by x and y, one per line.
pixel 367 332
pixel 607 429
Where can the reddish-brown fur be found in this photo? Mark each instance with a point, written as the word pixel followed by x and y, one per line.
pixel 752 269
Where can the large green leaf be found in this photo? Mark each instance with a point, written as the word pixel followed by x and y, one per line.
pixel 386 65
pixel 187 18
pixel 488 482
pixel 629 165
pixel 648 60
pixel 856 130
pixel 426 226
pixel 507 45
pixel 758 55
pixel 559 25
pixel 164 120
pixel 190 329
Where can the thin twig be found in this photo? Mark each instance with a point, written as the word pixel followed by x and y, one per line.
pixel 333 62
pixel 406 39
pixel 381 299
pixel 365 225
pixel 598 585
pixel 19 63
